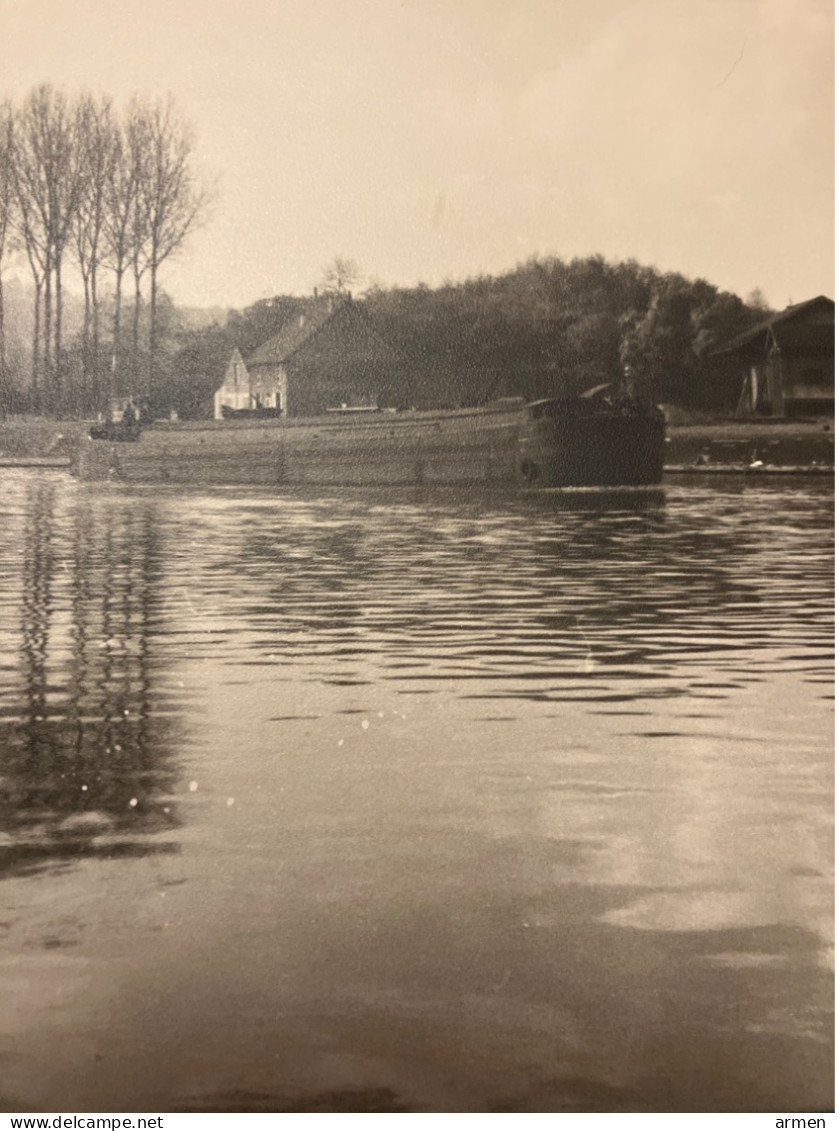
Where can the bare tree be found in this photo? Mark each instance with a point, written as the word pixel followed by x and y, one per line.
pixel 137 131
pixel 170 200
pixel 30 232
pixel 6 203
pixel 64 205
pixel 340 275
pixel 118 230
pixel 47 173
pixel 122 193
pixel 99 149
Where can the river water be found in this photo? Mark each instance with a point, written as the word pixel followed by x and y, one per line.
pixel 390 802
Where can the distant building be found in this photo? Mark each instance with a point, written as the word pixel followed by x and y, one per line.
pixel 236 391
pixel 326 357
pixel 786 363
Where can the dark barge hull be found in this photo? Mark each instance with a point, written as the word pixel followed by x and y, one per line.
pixel 545 445
pixel 562 446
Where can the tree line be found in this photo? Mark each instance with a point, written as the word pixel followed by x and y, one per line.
pixel 554 328
pixel 96 199
pixel 547 328
pixel 106 196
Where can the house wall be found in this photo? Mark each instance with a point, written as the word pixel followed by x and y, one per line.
pixel 802 383
pixel 269 387
pixel 808 375
pixel 807 348
pixel 235 388
pixel 798 376
pixel 342 362
pixel 262 386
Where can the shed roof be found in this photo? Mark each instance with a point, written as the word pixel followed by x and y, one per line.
pixel 786 315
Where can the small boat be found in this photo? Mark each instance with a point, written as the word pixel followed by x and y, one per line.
pixel 601 439
pixel 116 431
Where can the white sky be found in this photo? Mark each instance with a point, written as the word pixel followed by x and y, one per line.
pixel 437 139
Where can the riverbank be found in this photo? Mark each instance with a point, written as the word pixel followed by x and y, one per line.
pixel 27 439
pixel 752 445
pixel 731 445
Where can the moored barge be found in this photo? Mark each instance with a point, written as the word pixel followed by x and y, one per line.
pixel 600 439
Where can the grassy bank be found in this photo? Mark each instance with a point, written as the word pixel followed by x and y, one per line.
pixel 29 437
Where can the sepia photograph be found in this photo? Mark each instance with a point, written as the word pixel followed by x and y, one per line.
pixel 416 560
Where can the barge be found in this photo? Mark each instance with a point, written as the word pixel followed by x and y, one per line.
pixel 601 439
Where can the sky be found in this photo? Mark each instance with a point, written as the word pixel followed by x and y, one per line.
pixel 436 140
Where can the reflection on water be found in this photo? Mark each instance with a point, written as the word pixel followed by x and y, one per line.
pixel 85 767
pixel 384 802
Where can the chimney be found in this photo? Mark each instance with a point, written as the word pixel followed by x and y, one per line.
pixel 315 293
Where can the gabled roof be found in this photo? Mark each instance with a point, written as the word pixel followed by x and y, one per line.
pixel 296 331
pixel 764 327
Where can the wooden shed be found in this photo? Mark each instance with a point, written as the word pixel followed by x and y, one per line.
pixel 785 365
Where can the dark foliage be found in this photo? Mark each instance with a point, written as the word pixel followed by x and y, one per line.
pixel 551 328
pixel 197 369
pixel 548 328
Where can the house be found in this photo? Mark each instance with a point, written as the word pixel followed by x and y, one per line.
pixel 235 391
pixel 327 356
pixel 785 364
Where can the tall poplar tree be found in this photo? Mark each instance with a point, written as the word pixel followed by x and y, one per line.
pixel 47 171
pixel 170 201
pixel 6 204
pixel 99 151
